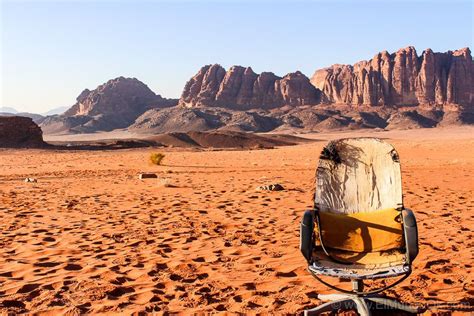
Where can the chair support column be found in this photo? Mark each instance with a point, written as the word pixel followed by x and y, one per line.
pixel 357 286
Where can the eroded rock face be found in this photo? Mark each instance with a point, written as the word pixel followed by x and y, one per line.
pixel 401 78
pixel 241 88
pixel 19 131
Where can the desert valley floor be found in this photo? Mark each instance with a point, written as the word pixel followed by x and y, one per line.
pixel 90 236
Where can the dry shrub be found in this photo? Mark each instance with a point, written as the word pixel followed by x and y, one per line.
pixel 156 158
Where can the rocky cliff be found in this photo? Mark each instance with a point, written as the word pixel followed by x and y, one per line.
pixel 19 131
pixel 241 89
pixel 402 78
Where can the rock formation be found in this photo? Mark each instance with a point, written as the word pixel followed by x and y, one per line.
pixel 19 131
pixel 127 98
pixel 114 104
pixel 390 91
pixel 241 89
pixel 401 78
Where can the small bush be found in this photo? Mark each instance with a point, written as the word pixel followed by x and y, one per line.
pixel 156 158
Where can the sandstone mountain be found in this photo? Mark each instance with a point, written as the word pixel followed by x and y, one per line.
pixel 112 105
pixel 20 131
pixel 401 79
pixel 241 88
pixel 391 91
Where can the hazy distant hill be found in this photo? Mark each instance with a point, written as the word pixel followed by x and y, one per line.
pixel 56 111
pixel 7 109
pixel 37 118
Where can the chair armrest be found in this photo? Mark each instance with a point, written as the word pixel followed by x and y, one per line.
pixel 306 234
pixel 411 234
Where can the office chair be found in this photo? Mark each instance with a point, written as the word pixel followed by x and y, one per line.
pixel 359 229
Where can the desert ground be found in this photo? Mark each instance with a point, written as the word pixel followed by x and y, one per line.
pixel 90 237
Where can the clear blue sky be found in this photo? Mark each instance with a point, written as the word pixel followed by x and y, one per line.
pixel 52 50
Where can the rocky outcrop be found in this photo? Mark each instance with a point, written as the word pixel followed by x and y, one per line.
pixel 181 119
pixel 112 105
pixel 127 98
pixel 401 78
pixel 242 89
pixel 19 131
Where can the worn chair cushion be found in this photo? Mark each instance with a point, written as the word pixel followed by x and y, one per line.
pixel 362 232
pixel 365 260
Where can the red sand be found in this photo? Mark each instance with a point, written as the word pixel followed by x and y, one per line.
pixel 90 237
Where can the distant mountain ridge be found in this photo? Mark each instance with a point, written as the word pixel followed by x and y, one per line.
pixel 7 109
pixel 399 90
pixel 37 118
pixel 56 111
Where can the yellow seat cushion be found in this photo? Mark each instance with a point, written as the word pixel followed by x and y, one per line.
pixel 362 232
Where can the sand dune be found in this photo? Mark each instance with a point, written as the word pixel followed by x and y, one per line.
pixel 90 237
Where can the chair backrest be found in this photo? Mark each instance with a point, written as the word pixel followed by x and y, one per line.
pixel 358 175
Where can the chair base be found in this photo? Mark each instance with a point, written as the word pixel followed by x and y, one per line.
pixel 363 304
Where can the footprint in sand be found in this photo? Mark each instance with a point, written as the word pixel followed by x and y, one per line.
pixel 429 264
pixel 46 264
pixel 72 267
pixel 119 291
pixel 28 288
pixel 199 259
pixel 250 286
pixel 290 274
pixel 13 303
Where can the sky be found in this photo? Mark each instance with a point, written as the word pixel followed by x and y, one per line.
pixel 52 50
